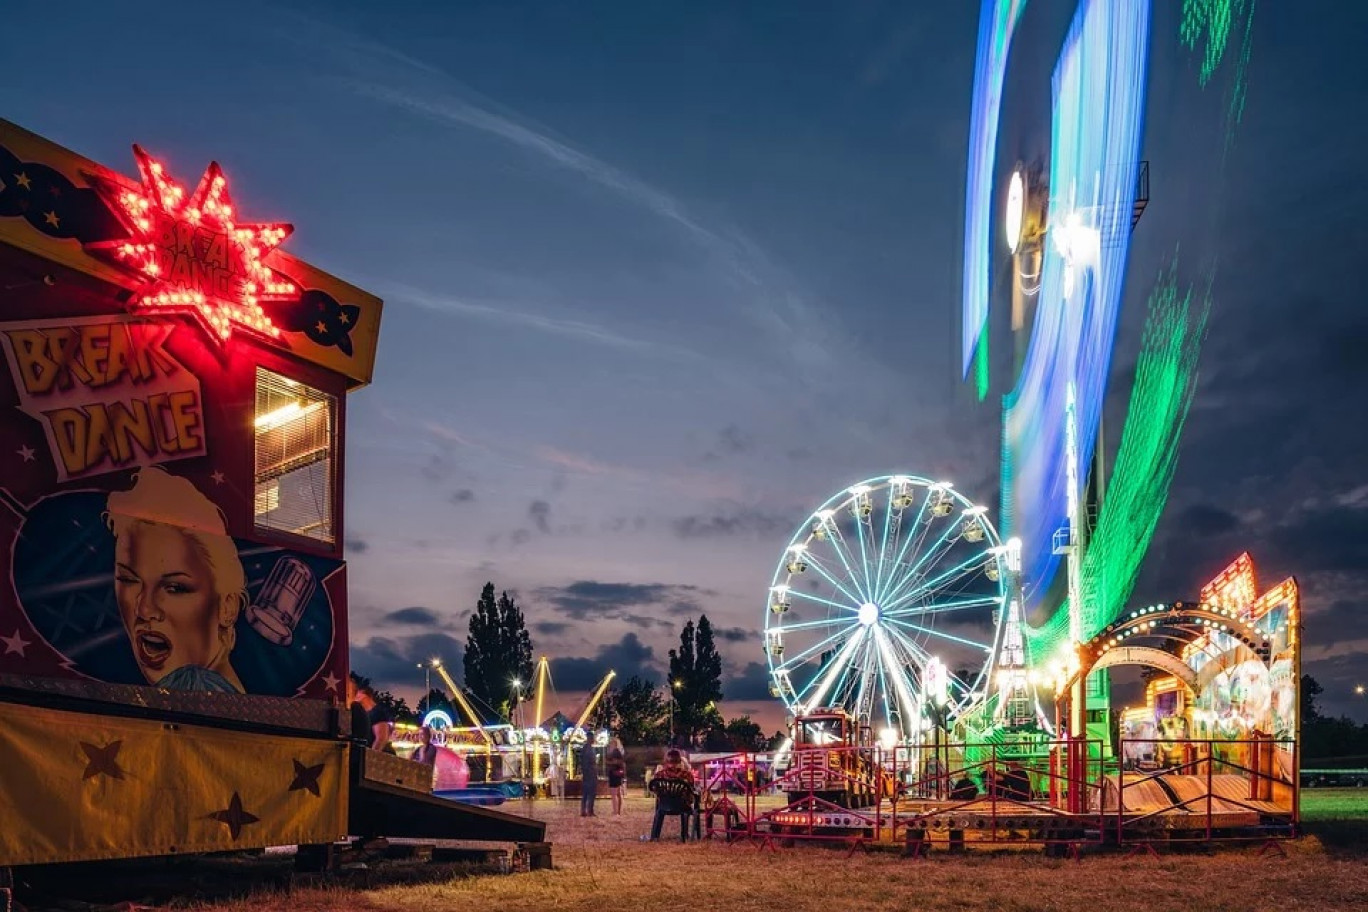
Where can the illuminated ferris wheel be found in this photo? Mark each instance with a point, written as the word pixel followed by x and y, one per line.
pixel 888 602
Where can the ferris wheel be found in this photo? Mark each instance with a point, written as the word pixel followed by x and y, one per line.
pixel 889 602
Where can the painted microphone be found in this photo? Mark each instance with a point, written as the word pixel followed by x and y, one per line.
pixel 281 602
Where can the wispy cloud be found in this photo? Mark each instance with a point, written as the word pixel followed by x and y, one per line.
pixel 503 313
pixel 770 298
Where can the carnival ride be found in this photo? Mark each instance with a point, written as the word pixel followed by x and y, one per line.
pixel 507 759
pixel 1017 740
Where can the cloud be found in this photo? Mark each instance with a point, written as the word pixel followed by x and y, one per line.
pixel 417 617
pixel 462 496
pixel 733 634
pixel 739 521
pixel 357 545
pixel 550 628
pixel 509 313
pixel 393 661
pixel 1208 519
pixel 592 600
pixel 752 683
pixel 733 440
pixel 628 656
pixel 540 513
pixel 520 537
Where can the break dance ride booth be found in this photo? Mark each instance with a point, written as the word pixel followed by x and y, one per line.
pixel 173 632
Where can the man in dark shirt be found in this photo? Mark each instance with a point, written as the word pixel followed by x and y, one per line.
pixel 370 721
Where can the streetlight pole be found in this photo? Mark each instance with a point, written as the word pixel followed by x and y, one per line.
pixel 674 686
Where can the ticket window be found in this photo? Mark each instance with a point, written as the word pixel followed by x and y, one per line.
pixel 296 443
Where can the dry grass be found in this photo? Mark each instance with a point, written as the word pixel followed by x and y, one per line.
pixel 601 863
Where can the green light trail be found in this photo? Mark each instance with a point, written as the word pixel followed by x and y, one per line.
pixel 1165 380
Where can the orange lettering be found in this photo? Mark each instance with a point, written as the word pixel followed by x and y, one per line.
pixel 185 418
pixel 95 353
pixel 132 424
pixel 69 430
pixel 99 438
pixel 37 370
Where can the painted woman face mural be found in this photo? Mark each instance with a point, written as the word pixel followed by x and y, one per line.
pixel 178 582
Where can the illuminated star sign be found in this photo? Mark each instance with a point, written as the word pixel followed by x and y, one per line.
pixel 195 258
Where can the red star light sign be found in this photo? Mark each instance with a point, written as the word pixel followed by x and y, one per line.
pixel 195 258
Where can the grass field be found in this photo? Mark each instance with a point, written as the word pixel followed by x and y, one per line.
pixel 603 866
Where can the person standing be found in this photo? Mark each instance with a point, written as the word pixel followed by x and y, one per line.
pixel 588 760
pixel 371 722
pixel 616 764
pixel 427 751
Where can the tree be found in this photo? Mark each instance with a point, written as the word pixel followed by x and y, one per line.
pixel 745 735
pixel 498 652
pixel 696 676
pixel 436 699
pixel 639 712
pixel 1310 689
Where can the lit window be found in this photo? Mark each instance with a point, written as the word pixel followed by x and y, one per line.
pixel 294 457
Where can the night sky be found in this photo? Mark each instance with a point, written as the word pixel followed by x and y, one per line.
pixel 661 277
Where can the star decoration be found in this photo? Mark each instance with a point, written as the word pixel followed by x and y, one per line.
pixel 15 645
pixel 331 681
pixel 102 761
pixel 23 180
pixel 306 778
pixel 234 816
pixel 217 478
pixel 51 218
pixel 26 453
pixel 193 255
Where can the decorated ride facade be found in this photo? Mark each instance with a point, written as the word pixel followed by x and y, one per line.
pixel 173 635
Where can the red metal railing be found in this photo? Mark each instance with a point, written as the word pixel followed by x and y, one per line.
pixel 1205 790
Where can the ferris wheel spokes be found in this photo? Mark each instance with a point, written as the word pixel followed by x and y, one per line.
pixel 809 597
pixel 832 532
pixel 981 601
pixel 838 663
pixel 917 531
pixel 942 546
pixel 932 631
pixel 923 588
pixel 815 563
pixel 792 661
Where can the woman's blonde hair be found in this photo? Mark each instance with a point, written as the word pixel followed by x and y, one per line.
pixel 170 500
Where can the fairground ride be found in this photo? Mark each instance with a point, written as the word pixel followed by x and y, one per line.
pixel 531 754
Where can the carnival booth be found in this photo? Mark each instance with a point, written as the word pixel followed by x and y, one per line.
pixel 173 637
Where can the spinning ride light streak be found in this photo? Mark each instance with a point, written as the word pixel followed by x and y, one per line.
pixel 1099 90
pixel 1165 380
pixel 997 21
pixel 891 593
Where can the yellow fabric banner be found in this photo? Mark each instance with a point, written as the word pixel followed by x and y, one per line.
pixel 76 787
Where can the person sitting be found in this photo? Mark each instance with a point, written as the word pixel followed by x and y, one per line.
pixel 673 787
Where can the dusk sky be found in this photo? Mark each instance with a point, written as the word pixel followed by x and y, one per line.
pixel 662 277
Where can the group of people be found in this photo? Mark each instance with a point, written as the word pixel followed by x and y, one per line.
pixel 614 765
pixel 672 784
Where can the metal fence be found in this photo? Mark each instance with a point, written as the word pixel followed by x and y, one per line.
pixel 1063 795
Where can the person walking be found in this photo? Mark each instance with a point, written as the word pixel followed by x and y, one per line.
pixel 588 760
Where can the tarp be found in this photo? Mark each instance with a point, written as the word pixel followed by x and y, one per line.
pixel 77 786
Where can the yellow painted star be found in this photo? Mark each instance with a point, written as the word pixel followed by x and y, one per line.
pixel 23 180
pixel 52 219
pixel 344 318
pixel 320 327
